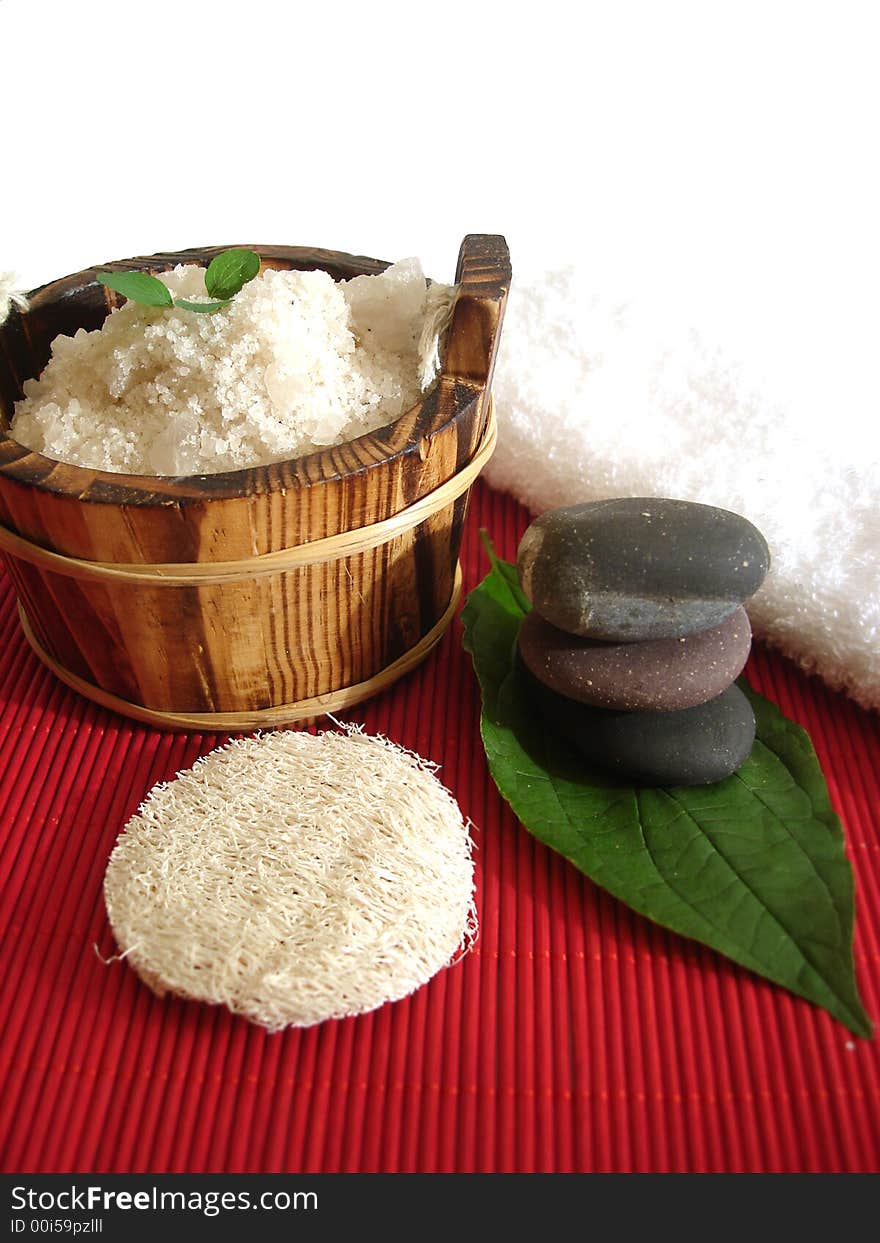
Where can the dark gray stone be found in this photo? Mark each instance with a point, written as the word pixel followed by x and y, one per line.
pixel 640 568
pixel 696 746
pixel 656 675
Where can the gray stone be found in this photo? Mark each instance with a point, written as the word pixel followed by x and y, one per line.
pixel 640 568
pixel 656 675
pixel 695 746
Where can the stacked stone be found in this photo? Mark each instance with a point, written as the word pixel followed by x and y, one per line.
pixel 638 632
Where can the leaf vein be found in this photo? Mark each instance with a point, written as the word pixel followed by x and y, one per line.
pixel 801 950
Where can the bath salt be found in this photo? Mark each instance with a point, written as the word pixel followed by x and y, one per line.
pixel 295 363
pixel 294 878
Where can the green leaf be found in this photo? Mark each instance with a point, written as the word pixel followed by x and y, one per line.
pixel 137 287
pixel 753 866
pixel 227 272
pixel 203 308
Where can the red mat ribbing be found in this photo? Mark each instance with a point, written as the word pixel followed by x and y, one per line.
pixel 576 1036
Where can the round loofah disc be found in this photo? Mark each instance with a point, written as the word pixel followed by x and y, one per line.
pixel 294 878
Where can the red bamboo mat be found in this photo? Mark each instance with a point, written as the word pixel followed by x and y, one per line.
pixel 575 1037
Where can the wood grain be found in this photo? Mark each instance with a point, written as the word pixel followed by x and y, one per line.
pixel 250 645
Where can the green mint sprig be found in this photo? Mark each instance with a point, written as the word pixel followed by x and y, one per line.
pixel 225 276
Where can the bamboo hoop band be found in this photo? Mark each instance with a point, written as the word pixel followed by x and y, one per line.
pixel 204 573
pixel 259 718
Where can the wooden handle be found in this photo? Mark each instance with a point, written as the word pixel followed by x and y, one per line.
pixel 483 277
pixel 281 641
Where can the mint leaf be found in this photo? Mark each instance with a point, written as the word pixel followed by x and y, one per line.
pixel 753 866
pixel 137 287
pixel 227 272
pixel 203 308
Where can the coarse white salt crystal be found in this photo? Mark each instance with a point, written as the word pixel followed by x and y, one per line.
pixel 297 362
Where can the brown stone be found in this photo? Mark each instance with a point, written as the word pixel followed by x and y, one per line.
pixel 655 675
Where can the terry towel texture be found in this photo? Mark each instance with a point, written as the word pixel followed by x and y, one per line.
pixel 596 400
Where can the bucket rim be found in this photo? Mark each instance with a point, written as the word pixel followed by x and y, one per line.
pixel 447 401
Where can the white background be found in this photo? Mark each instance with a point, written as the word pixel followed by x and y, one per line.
pixel 722 155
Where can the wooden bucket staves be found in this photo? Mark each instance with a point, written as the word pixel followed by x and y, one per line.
pixel 255 597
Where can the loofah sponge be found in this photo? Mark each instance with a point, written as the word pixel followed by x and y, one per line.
pixel 294 878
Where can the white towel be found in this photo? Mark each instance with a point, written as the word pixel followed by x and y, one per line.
pixel 597 400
